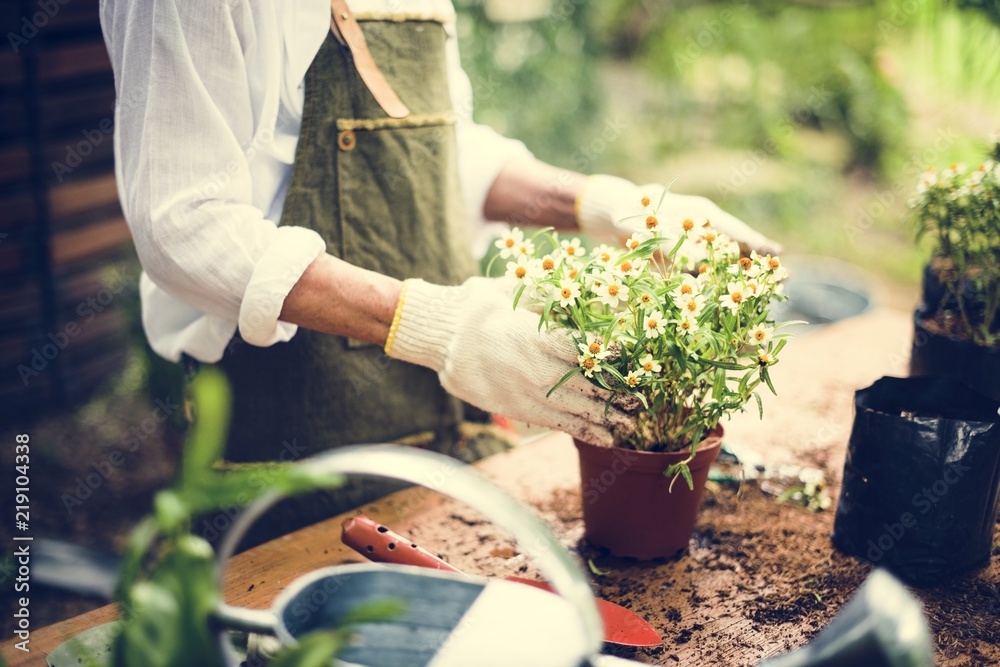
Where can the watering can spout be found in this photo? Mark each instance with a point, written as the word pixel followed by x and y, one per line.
pixel 882 626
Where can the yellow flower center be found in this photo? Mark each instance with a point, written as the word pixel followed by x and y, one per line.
pixel 763 360
pixel 691 305
pixel 509 243
pixel 632 380
pixel 621 321
pixel 548 264
pixel 648 366
pixel 773 263
pixel 520 272
pixel 688 224
pixel 605 257
pixel 652 222
pixel 702 268
pixel 589 364
pixel 685 324
pixel 645 201
pixel 566 292
pixel 752 287
pixel 736 297
pixel 746 263
pixel 594 348
pixel 645 298
pixel 759 334
pixel 710 237
pixel 572 274
pixel 571 250
pixel 652 324
pixel 612 290
pixel 633 244
pixel 626 266
pixel 687 289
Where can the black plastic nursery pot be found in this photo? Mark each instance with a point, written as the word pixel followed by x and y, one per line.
pixel 945 356
pixel 922 478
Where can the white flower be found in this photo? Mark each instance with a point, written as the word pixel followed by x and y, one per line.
pixel 734 298
pixel 594 347
pixel 687 325
pixel 548 264
pixel 647 300
pixel 525 247
pixel 726 247
pixel 690 306
pixel 509 243
pixel 747 266
pixel 524 269
pixel 589 364
pixel 689 287
pixel 928 179
pixel 773 267
pixel 637 239
pixel 610 290
pixel 571 248
pixel 569 292
pixel 654 324
pixel 605 254
pixel 650 365
pixel 630 267
pixel 752 288
pixel 761 335
pixel 633 379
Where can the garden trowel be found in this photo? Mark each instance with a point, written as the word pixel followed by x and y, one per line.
pixel 378 543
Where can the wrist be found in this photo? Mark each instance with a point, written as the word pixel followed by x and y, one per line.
pixel 599 202
pixel 423 324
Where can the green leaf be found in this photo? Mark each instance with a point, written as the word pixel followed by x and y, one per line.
pixel 767 378
pixel 315 649
pixel 383 609
pixel 564 379
pixel 520 291
pixel 597 572
pixel 208 433
pixel 760 405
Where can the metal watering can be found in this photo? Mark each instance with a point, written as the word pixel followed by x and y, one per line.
pixel 454 621
pixel 449 620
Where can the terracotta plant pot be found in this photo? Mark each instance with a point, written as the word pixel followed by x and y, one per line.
pixel 627 505
pixel 937 354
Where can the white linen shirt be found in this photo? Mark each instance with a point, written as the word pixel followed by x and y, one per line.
pixel 209 106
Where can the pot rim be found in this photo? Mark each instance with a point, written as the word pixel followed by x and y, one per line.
pixel 655 462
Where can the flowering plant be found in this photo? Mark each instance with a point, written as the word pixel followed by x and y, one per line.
pixel 959 209
pixel 676 324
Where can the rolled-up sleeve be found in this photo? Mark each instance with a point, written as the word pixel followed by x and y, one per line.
pixel 185 133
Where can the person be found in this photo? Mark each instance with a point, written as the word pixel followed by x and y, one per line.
pixel 303 182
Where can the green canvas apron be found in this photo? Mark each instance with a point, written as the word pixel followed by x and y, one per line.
pixel 384 194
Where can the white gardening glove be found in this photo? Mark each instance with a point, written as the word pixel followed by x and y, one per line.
pixel 606 201
pixel 492 356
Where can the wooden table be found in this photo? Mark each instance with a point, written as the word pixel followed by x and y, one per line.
pixel 707 604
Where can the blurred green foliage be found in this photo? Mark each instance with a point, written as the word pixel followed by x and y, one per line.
pixel 810 119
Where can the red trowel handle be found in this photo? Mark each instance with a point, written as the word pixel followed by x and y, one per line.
pixel 379 544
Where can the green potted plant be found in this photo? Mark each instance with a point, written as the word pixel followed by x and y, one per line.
pixel 957 327
pixel 677 326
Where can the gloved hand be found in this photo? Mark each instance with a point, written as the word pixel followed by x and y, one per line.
pixel 607 200
pixel 492 356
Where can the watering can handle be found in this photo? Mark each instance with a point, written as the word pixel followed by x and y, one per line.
pixel 452 478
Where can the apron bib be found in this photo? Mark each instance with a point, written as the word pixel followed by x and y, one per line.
pixel 384 194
